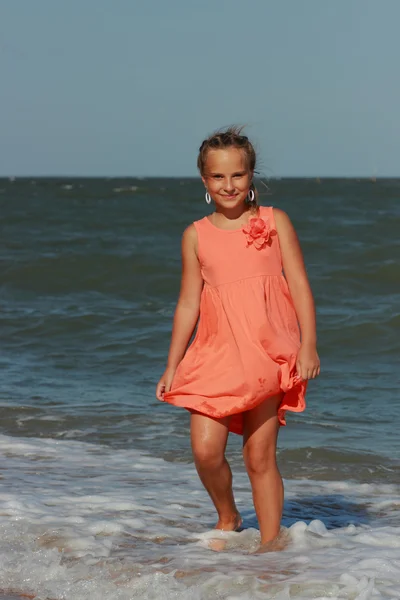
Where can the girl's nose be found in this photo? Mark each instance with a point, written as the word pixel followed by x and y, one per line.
pixel 229 185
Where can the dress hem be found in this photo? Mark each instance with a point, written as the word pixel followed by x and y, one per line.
pixel 237 425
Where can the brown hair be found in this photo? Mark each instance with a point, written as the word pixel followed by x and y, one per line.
pixel 230 137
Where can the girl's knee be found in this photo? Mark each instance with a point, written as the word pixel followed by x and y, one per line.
pixel 207 456
pixel 259 460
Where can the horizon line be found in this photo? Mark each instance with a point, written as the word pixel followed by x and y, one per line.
pixel 196 177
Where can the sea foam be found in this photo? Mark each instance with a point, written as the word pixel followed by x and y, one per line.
pixel 84 521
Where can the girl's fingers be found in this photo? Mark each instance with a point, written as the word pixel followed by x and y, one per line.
pixel 299 370
pixel 315 372
pixel 160 391
pixel 304 372
pixel 307 372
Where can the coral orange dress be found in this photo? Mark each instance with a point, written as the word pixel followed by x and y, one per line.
pixel 245 347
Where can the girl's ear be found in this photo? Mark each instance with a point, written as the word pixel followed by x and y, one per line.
pixel 204 181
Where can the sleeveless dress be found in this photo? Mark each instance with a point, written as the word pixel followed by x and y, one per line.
pixel 245 347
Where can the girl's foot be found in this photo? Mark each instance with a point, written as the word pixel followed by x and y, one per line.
pixel 278 544
pixel 233 524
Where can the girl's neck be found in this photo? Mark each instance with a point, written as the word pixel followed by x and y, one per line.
pixel 232 220
pixel 235 214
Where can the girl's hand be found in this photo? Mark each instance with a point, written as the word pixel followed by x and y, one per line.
pixel 164 385
pixel 307 364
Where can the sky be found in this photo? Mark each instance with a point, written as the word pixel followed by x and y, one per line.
pixel 132 87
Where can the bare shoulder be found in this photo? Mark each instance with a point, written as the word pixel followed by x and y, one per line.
pixel 284 225
pixel 288 238
pixel 281 218
pixel 189 240
pixel 190 233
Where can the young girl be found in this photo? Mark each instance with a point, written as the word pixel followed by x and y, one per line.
pixel 243 274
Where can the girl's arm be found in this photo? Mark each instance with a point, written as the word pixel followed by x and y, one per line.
pixel 300 290
pixel 188 305
pixel 187 309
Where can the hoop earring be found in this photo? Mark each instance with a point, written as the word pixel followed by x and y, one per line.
pixel 208 198
pixel 251 195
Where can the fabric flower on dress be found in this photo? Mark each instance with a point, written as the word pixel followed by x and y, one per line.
pixel 258 232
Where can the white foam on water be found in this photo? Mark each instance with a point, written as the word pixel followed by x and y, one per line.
pixel 128 188
pixel 81 521
pixel 21 420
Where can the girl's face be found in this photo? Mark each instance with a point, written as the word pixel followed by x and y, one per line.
pixel 227 177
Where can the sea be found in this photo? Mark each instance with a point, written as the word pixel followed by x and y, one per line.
pixel 99 497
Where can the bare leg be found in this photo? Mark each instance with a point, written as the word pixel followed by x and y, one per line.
pixel 261 427
pixel 209 438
